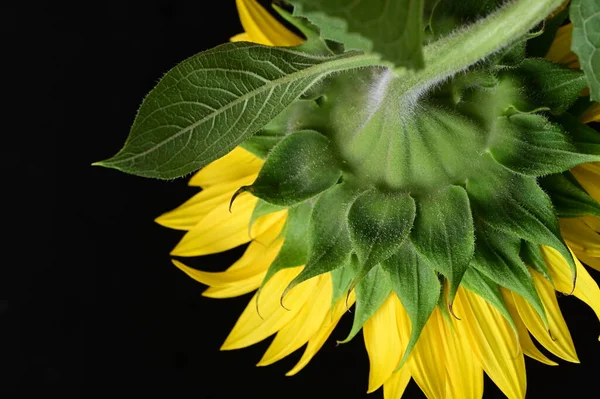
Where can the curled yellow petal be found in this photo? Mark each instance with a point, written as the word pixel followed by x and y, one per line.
pixel 586 288
pixel 493 341
pixel 304 325
pixel 383 343
pixel 560 50
pixel 394 387
pixel 318 339
pixel 262 28
pixel 560 342
pixel 525 340
pixel 580 236
pixel 266 316
pixel 592 114
pixel 188 214
pixel 236 165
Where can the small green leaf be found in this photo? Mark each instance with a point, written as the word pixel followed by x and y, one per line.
pixel 447 15
pixel 585 15
pixel 551 85
pixel 294 250
pixel 538 47
pixel 329 245
pixel 532 256
pixel 392 28
pixel 497 258
pixel 378 223
pixel 300 167
pixel 529 144
pixel 341 279
pixel 444 235
pixel 568 197
pixel 371 292
pixel 484 287
pixel 417 285
pixel 213 101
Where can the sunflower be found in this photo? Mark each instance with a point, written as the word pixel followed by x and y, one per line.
pixel 451 353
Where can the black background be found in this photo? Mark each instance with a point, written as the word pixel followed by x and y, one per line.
pixel 97 309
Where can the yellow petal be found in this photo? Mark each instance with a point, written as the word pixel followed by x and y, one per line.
pixel 586 288
pixel 593 222
pixel 560 343
pixel 238 164
pixel 318 340
pixel 588 175
pixel 187 215
pixel 427 361
pixel 465 375
pixel 493 341
pixel 588 260
pixel 305 324
pixel 221 230
pixel 237 289
pixel 525 340
pixel 580 236
pixel 253 327
pixel 262 28
pixel 560 50
pixel 394 387
pixel 592 114
pixel 383 343
pixel 241 37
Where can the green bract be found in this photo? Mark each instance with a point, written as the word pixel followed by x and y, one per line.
pixel 432 154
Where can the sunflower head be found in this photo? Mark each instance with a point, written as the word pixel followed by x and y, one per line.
pixel 439 175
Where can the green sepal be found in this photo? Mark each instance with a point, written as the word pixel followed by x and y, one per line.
pixel 294 250
pixel 300 167
pixel 393 29
pixel 341 279
pixel 329 245
pixel 417 285
pixel 532 256
pixel 570 200
pixel 443 234
pixel 296 117
pixel 530 145
pixel 516 205
pixel 585 15
pixel 490 291
pixel 371 292
pixel 550 85
pixel 497 258
pixel 378 223
pixel 583 137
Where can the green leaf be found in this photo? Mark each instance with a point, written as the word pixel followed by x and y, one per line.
pixel 532 256
pixel 294 250
pixel 213 101
pixel 300 167
pixel 484 287
pixel 497 258
pixel 371 292
pixel 568 197
pixel 448 15
pixel 329 245
pixel 378 223
pixel 585 15
pixel 516 205
pixel 444 235
pixel 392 28
pixel 417 285
pixel 551 85
pixel 341 279
pixel 529 144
